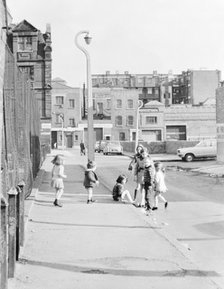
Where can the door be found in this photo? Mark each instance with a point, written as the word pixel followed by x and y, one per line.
pixel 69 140
pixel 53 139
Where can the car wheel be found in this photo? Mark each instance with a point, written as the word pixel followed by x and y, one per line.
pixel 189 157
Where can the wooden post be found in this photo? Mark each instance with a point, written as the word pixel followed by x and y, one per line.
pixel 3 244
pixel 12 232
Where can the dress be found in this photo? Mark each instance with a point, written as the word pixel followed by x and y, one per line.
pixel 139 170
pixel 160 186
pixel 57 177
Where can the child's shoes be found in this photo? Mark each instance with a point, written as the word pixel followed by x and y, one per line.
pixel 90 201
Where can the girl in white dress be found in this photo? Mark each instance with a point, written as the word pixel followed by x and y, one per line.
pixel 57 179
pixel 160 186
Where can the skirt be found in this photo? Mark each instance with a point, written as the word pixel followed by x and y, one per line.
pixel 57 183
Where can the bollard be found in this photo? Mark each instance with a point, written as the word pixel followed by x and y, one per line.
pixel 3 244
pixel 12 232
pixel 20 217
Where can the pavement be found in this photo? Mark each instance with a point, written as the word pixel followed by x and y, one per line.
pixel 104 245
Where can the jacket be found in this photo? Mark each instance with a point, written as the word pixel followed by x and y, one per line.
pixel 90 179
pixel 148 177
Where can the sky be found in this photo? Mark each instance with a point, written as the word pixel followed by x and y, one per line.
pixel 128 35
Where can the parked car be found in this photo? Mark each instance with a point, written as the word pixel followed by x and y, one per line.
pixel 204 149
pixel 113 147
pixel 99 146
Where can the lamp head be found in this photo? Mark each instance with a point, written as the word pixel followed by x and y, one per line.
pixel 87 38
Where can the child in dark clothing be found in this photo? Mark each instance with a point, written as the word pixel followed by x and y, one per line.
pixel 90 180
pixel 148 181
pixel 119 191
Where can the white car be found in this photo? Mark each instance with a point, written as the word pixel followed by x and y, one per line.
pixel 204 149
pixel 113 147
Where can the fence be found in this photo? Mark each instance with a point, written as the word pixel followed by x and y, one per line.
pixel 20 159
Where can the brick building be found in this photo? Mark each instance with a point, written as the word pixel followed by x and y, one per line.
pixel 66 114
pixel 114 114
pixel 179 122
pixel 189 87
pixel 195 86
pixel 32 49
pixel 147 85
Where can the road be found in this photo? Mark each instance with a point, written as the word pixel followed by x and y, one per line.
pixel 195 215
pixel 108 245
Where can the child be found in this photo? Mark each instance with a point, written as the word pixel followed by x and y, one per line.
pixel 57 178
pixel 139 175
pixel 160 186
pixel 90 180
pixel 148 180
pixel 119 192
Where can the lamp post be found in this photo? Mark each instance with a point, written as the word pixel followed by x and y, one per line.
pixel 140 104
pixel 90 139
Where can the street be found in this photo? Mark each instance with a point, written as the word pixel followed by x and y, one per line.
pixel 115 245
pixel 195 212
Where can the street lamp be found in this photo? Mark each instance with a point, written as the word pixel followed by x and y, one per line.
pixel 90 144
pixel 140 104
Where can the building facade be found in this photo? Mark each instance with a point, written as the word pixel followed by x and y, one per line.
pixel 124 114
pixel 189 87
pixel 195 86
pixel 66 115
pixel 147 85
pixel 180 122
pixel 32 49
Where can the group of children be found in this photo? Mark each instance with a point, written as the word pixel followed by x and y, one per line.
pixel 149 177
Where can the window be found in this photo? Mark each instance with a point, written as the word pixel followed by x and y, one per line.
pixel 29 70
pixel 118 120
pixel 25 43
pixel 130 103
pixel 176 132
pixel 71 103
pixel 119 103
pixel 59 118
pixel 71 122
pixel 130 120
pixel 59 100
pixel 151 119
pixel 122 136
pixel 100 108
